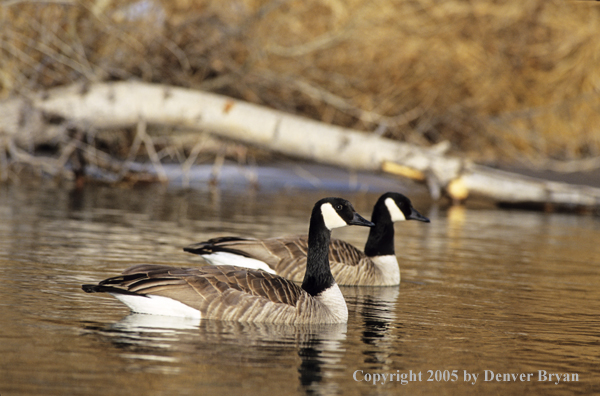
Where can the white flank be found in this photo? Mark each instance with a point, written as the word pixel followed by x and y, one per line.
pixel 388 265
pixel 156 323
pixel 395 212
pixel 333 299
pixel 224 258
pixel 157 305
pixel 331 217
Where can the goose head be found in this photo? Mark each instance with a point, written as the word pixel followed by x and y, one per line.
pixel 327 214
pixel 400 208
pixel 337 212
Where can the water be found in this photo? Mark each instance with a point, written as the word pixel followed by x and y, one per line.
pixel 482 289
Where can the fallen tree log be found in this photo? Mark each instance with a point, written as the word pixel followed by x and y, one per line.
pixel 125 104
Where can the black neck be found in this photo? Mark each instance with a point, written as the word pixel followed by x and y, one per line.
pixel 381 236
pixel 318 275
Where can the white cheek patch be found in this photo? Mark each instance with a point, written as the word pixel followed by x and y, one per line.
pixel 395 212
pixel 331 217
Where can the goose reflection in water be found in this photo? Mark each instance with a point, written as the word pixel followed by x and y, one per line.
pixel 376 309
pixel 167 340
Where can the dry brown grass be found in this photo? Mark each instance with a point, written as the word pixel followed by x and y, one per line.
pixel 506 79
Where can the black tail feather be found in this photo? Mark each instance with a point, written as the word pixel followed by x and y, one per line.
pixel 107 289
pixel 215 245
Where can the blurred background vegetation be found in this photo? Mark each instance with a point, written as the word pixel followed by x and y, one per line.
pixel 513 81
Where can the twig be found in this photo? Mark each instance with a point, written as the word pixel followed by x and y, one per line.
pixel 135 146
pixel 52 54
pixel 324 41
pixel 178 52
pixel 81 65
pixel 45 164
pixel 216 169
pixel 25 58
pixel 66 153
pixel 191 159
pixel 341 104
pixel 141 131
pixel 3 159
pixel 309 177
pixel 250 172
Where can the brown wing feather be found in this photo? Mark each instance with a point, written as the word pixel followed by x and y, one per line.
pixel 349 265
pixel 208 281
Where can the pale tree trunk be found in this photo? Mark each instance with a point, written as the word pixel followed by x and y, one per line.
pixel 125 104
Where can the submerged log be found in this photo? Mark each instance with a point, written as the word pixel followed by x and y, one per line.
pixel 125 104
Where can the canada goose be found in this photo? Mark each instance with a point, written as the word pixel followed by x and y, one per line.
pixel 286 256
pixel 242 294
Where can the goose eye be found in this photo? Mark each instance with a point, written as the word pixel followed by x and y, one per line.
pixel 338 207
